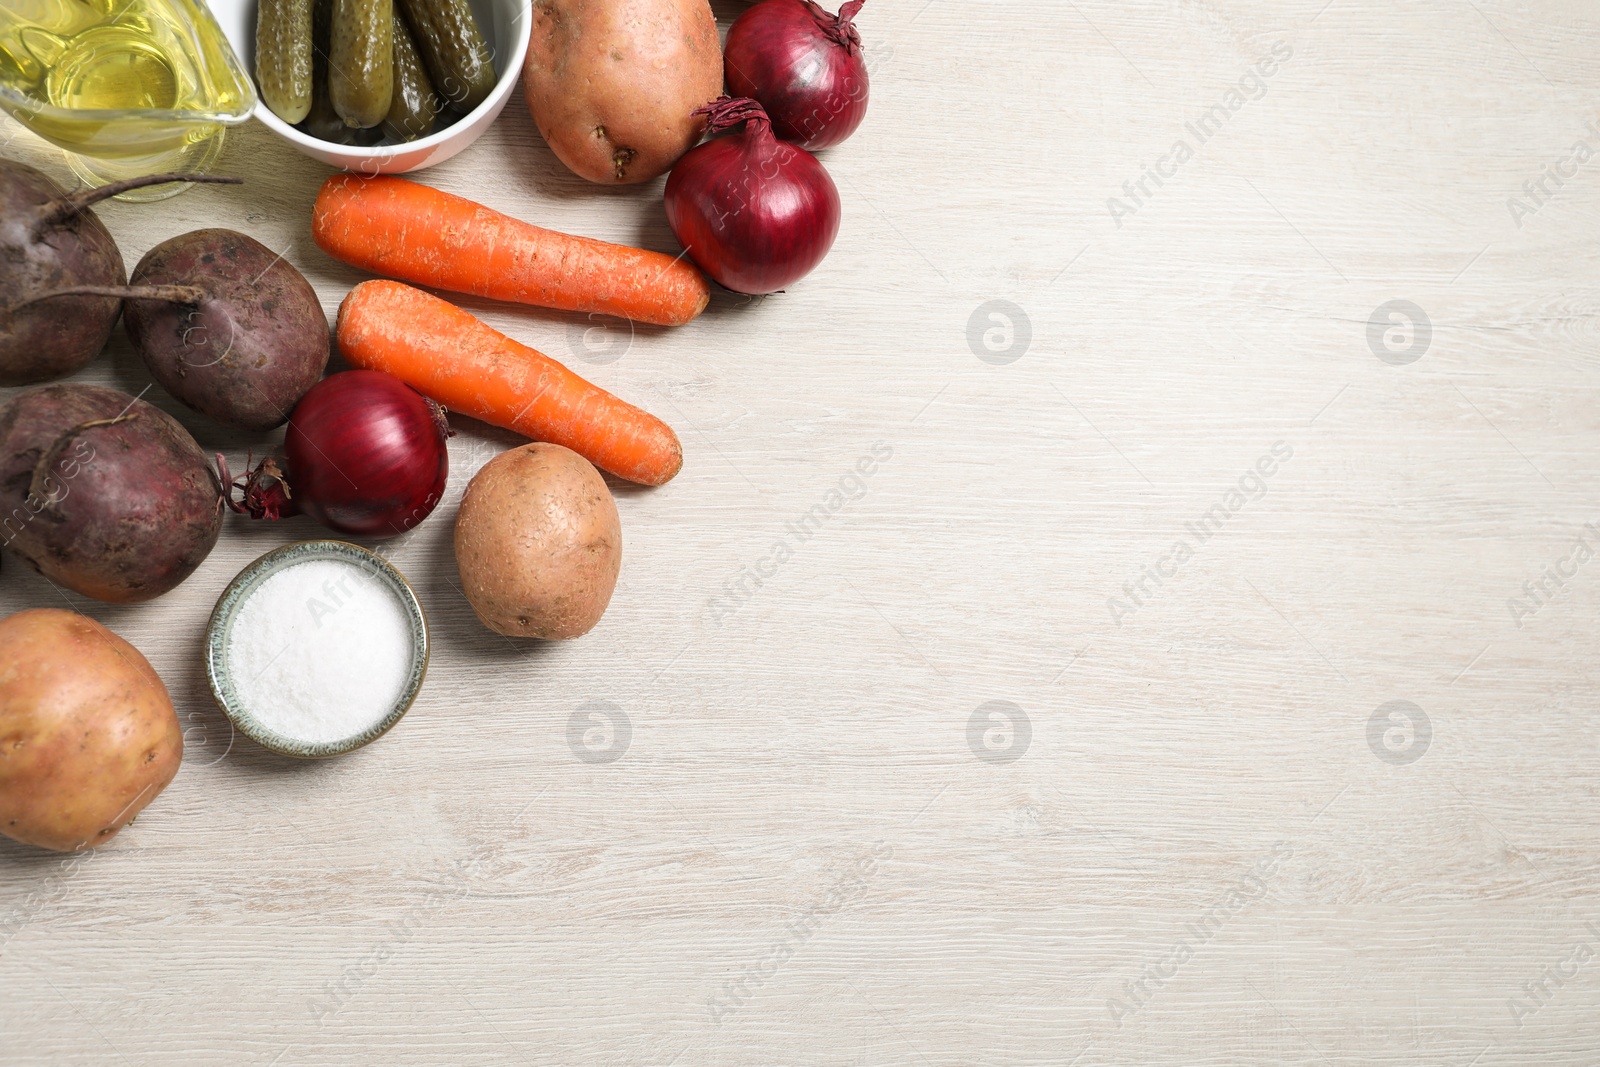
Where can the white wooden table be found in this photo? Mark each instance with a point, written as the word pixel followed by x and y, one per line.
pixel 1195 831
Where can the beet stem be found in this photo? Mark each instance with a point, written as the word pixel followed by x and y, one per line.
pixel 57 211
pixel 225 476
pixel 176 294
pixel 263 491
pixel 92 423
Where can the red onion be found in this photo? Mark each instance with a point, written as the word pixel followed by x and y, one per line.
pixel 756 213
pixel 804 66
pixel 366 456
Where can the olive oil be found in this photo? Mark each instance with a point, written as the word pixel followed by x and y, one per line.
pixel 119 79
pixel 110 69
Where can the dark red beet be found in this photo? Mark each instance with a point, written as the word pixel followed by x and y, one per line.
pixel 104 493
pixel 226 325
pixel 51 240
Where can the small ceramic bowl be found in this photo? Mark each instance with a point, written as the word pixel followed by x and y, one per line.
pixel 220 629
pixel 506 24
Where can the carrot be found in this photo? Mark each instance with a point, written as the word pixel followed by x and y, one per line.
pixel 468 366
pixel 399 229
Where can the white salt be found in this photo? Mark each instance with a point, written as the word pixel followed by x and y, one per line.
pixel 320 651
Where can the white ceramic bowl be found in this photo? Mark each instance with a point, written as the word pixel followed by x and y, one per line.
pixel 219 634
pixel 506 24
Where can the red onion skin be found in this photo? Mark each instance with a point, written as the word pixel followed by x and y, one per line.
pixel 366 454
pixel 804 66
pixel 756 213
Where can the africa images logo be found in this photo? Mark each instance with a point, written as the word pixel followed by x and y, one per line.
pixel 739 589
pixel 1197 933
pixel 1251 485
pixel 1250 88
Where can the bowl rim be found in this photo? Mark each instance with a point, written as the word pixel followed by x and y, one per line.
pixel 256 572
pixel 503 87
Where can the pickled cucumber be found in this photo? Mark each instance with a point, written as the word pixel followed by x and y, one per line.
pixel 322 122
pixel 412 111
pixel 283 57
pixel 453 48
pixel 361 61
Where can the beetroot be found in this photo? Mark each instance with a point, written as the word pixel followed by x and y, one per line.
pixel 104 493
pixel 226 325
pixel 51 240
pixel 249 347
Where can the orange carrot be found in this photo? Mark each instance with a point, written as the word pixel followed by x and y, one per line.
pixel 399 229
pixel 468 366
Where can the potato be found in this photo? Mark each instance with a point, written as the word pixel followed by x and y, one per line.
pixel 88 736
pixel 612 85
pixel 538 543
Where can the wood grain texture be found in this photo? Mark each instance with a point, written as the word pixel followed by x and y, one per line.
pixel 800 858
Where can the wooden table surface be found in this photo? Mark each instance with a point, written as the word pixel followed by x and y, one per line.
pixel 1203 673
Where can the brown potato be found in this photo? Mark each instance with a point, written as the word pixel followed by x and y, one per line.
pixel 538 543
pixel 88 736
pixel 612 86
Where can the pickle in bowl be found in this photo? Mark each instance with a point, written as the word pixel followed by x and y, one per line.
pixel 453 49
pixel 370 73
pixel 283 57
pixel 415 104
pixel 322 121
pixel 361 61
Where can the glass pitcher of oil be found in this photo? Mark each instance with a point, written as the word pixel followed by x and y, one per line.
pixel 128 87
